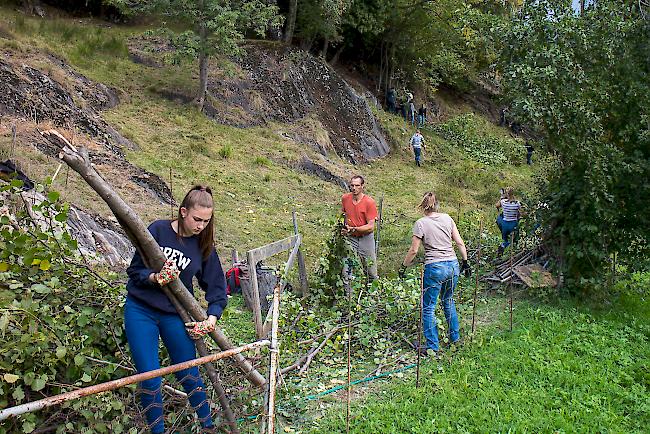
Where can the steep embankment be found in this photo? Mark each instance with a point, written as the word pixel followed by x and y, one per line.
pixel 280 133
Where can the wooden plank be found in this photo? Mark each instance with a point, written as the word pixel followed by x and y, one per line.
pixel 282 284
pixel 253 257
pixel 255 292
pixel 274 248
pixel 302 269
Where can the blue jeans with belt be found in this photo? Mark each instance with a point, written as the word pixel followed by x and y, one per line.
pixel 440 279
pixel 143 326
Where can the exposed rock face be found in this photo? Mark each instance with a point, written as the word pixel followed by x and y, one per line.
pixel 99 236
pixel 65 98
pixel 30 93
pixel 284 84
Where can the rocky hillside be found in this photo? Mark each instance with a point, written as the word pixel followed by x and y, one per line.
pixel 297 95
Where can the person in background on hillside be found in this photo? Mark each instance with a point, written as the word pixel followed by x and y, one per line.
pixel 503 117
pixel 436 231
pixel 412 113
pixel 187 242
pixel 360 213
pixel 511 209
pixel 529 153
pixel 422 115
pixel 417 143
pixel 391 100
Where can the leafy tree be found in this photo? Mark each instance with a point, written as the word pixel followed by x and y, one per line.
pixel 213 27
pixel 582 81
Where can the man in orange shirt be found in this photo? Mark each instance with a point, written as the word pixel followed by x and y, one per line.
pixel 360 213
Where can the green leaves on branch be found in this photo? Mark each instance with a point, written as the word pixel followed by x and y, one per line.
pixel 583 83
pixel 54 314
pixel 214 27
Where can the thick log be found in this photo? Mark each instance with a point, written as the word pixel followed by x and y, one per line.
pixel 137 232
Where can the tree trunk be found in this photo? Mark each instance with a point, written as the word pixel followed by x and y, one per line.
pixel 203 81
pixel 381 72
pixel 335 59
pixel 582 7
pixel 326 44
pixel 203 60
pixel 290 26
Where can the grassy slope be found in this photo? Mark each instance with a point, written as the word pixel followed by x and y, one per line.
pixel 256 193
pixel 565 368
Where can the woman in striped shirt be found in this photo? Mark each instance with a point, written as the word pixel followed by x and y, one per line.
pixel 511 209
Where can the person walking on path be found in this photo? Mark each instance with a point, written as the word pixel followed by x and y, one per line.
pixel 391 99
pixel 511 209
pixel 187 242
pixel 436 231
pixel 360 213
pixel 417 143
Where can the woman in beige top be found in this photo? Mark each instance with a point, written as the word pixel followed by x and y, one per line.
pixel 435 231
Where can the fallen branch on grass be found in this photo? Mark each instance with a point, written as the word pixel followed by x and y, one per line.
pixel 311 355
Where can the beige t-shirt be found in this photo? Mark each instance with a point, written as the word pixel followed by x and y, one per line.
pixel 435 233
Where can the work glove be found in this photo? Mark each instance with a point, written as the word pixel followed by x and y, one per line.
pixel 402 272
pixel 466 269
pixel 197 330
pixel 167 273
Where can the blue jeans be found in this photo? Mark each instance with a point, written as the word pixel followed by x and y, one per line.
pixel 143 325
pixel 440 279
pixel 418 153
pixel 507 227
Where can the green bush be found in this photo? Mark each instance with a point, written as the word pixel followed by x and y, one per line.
pixel 55 313
pixel 469 132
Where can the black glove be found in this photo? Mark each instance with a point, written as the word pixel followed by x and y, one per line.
pixel 402 272
pixel 466 269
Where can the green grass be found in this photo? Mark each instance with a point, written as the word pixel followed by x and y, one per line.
pixel 564 368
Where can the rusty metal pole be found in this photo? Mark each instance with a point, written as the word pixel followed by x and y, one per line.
pixel 274 361
pixel 512 246
pixel 419 348
pixel 116 384
pixel 478 269
pixel 349 385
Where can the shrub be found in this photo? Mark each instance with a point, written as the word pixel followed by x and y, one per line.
pixel 470 133
pixel 225 152
pixel 55 313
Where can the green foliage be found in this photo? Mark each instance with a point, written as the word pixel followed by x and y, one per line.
pixel 470 133
pixel 563 369
pixel 583 82
pixel 320 19
pixel 262 161
pixel 54 314
pixel 225 152
pixel 431 43
pixel 212 27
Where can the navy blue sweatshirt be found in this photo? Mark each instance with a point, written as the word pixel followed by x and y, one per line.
pixel 186 253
